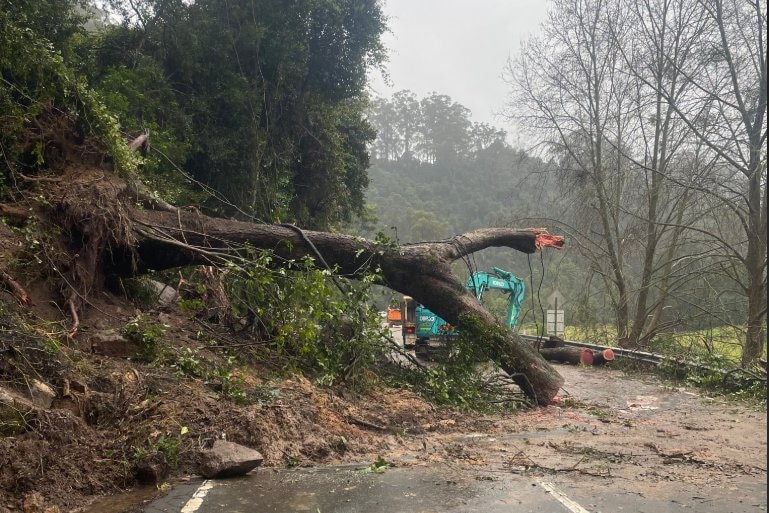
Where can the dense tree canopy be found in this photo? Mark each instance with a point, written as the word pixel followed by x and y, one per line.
pixel 262 103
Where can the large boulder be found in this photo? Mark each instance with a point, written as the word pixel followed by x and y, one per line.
pixel 228 459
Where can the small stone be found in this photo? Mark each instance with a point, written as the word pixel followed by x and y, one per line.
pixel 78 386
pixel 166 295
pixel 42 394
pixel 152 472
pixel 110 343
pixel 33 503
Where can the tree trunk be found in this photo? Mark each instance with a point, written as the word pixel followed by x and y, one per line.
pixel 573 355
pixel 603 356
pixel 423 271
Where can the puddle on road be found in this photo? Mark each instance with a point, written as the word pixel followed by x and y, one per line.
pixel 120 503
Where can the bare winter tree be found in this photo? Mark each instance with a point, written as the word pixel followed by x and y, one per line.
pixel 726 110
pixel 661 36
pixel 614 138
pixel 656 113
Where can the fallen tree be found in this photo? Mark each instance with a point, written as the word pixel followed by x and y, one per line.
pixel 113 230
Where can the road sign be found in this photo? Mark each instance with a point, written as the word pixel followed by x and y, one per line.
pixel 555 322
pixel 556 300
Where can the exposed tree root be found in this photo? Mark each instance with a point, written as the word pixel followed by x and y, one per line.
pixel 18 290
pixel 72 331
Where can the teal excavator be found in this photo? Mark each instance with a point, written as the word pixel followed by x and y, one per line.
pixel 427 328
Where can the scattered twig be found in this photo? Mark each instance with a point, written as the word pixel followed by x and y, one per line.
pixel 17 289
pixel 366 424
pixel 532 465
pixel 48 179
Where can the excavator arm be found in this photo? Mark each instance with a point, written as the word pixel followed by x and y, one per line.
pixel 505 281
pixel 428 326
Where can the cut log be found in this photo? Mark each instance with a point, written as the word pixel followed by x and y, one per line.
pixel 602 356
pixel 553 341
pixel 573 355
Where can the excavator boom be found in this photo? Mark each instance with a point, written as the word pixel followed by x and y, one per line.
pixel 429 325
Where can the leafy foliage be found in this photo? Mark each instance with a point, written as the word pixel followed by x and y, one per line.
pixel 37 79
pixel 294 308
pixel 147 335
pixel 714 374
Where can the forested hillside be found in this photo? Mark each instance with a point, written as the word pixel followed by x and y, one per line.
pixel 474 181
pixel 435 173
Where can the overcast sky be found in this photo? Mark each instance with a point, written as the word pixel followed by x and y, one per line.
pixel 458 48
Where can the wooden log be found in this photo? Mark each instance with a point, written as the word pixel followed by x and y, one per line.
pixel 602 356
pixel 573 355
pixel 553 341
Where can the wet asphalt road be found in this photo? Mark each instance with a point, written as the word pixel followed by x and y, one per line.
pixel 453 489
pixel 429 489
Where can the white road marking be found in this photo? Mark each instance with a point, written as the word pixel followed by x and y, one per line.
pixel 196 500
pixel 561 497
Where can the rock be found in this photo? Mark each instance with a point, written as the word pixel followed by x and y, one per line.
pixel 166 295
pixel 111 343
pixel 228 459
pixel 42 394
pixel 152 472
pixel 68 403
pixel 78 386
pixel 35 503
